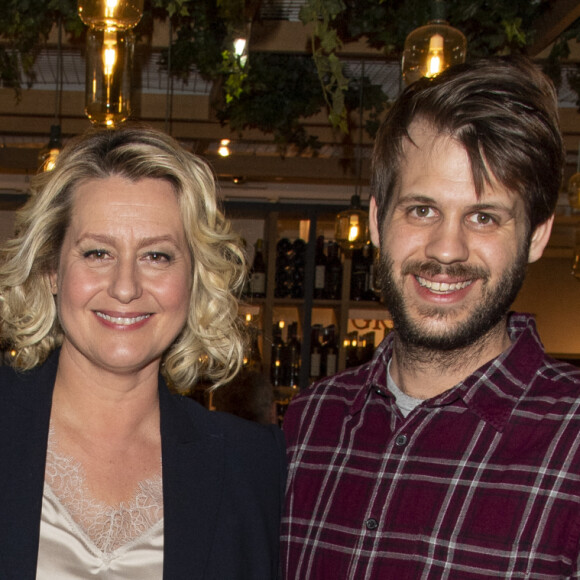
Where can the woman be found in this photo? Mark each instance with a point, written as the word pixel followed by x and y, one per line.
pixel 122 279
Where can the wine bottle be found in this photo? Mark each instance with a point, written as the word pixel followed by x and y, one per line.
pixel 292 358
pixel 319 268
pixel 277 358
pixel 333 273
pixel 359 276
pixel 283 277
pixel 315 352
pixel 258 272
pixel 329 352
pixel 351 345
pixel 253 359
pixel 298 264
pixel 366 347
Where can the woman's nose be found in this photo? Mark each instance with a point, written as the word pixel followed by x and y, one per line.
pixel 125 284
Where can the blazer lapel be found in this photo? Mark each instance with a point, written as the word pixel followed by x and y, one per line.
pixel 24 422
pixel 193 472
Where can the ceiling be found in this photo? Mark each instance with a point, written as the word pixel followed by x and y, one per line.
pixel 184 111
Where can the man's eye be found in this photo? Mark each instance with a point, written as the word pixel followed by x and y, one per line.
pixel 482 219
pixel 422 211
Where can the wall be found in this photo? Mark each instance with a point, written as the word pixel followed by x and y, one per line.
pixel 6 224
pixel 552 294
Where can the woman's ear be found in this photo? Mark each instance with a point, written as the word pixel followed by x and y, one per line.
pixel 539 240
pixel 373 223
pixel 52 279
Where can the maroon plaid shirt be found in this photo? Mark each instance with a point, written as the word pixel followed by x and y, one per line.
pixel 482 481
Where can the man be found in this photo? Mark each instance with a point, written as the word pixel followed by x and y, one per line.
pixel 454 453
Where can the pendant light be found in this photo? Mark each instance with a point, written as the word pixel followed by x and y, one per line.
pixel 49 153
pixel 434 47
pixel 351 225
pixel 110 47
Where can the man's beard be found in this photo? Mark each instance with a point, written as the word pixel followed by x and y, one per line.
pixel 485 316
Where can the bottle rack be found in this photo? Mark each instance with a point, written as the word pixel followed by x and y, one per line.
pixel 264 219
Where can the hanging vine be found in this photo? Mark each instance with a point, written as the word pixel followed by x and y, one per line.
pixel 276 93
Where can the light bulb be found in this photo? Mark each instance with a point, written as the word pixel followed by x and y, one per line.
pixel 224 149
pixel 101 14
pixel 108 80
pixel 48 155
pixel 353 231
pixel 351 226
pixel 435 62
pixel 109 51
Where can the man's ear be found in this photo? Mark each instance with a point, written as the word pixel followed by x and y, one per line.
pixel 539 240
pixel 373 223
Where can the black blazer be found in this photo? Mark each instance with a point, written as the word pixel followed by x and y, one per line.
pixel 223 484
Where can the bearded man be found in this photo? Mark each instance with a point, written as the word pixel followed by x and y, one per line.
pixel 455 452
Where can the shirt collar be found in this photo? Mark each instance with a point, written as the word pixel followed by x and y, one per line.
pixel 492 391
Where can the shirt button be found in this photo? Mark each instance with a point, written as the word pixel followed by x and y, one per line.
pixel 401 440
pixel 379 392
pixel 371 524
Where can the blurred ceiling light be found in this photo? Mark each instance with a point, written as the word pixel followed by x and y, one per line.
pixel 224 149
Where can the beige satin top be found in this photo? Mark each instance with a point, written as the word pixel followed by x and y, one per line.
pixel 81 537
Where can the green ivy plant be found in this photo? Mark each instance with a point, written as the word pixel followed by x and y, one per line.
pixel 276 93
pixel 25 25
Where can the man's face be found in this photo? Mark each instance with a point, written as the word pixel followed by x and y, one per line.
pixel 451 263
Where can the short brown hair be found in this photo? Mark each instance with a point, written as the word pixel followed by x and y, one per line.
pixel 502 110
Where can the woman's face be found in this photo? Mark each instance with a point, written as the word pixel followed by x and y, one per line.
pixel 124 277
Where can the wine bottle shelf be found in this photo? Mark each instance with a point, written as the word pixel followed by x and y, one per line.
pixel 303 263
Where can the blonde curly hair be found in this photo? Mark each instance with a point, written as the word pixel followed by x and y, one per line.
pixel 211 345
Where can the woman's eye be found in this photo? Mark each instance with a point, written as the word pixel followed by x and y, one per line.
pixel 159 257
pixel 96 254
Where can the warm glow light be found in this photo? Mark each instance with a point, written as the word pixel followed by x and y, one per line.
pixel 351 226
pixel 51 160
pixel 241 50
pixel 239 46
pixel 48 155
pixel 101 14
pixel 224 149
pixel 435 57
pixel 432 48
pixel 111 8
pixel 353 231
pixel 110 52
pixel 108 80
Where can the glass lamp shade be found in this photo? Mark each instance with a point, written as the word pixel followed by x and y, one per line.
pixel 108 76
pixel 48 154
pixel 101 14
pixel 351 226
pixel 431 49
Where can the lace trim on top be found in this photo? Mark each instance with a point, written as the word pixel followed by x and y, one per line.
pixel 108 527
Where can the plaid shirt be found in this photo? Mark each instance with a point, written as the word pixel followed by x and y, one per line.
pixel 482 481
